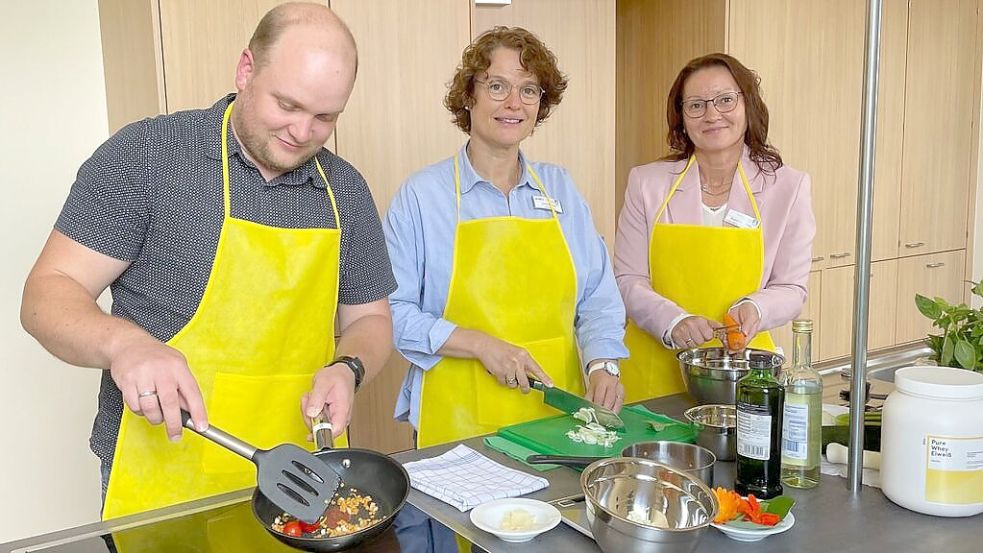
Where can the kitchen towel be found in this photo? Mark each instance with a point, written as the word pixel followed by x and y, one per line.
pixel 465 478
pixel 516 451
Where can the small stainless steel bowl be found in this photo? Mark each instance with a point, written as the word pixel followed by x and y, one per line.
pixel 717 425
pixel 711 374
pixel 690 458
pixel 638 505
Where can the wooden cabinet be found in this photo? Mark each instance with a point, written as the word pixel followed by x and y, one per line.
pixel 579 135
pixel 837 309
pixel 810 59
pixel 941 107
pixel 933 275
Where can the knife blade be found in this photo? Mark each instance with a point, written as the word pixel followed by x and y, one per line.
pixel 571 403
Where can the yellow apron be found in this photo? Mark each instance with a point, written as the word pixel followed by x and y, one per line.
pixel 264 326
pixel 703 270
pixel 513 279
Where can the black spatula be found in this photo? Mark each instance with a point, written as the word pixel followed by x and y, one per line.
pixel 292 478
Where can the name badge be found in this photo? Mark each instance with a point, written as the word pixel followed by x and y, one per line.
pixel 740 220
pixel 542 202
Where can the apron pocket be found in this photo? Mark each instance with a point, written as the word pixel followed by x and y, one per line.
pixel 499 406
pixel 261 410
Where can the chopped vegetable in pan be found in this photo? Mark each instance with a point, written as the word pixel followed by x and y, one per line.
pixel 346 514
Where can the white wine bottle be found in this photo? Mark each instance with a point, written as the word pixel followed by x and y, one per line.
pixel 802 416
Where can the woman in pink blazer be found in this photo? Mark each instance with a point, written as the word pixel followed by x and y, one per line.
pixel 719 226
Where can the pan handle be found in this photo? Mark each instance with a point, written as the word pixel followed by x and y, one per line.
pixel 220 437
pixel 565 460
pixel 323 433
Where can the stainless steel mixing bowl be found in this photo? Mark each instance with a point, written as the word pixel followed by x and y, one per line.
pixel 711 374
pixel 638 505
pixel 717 426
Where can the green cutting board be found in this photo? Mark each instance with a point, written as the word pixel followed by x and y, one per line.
pixel 549 436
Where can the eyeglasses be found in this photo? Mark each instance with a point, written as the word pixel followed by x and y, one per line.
pixel 723 103
pixel 500 90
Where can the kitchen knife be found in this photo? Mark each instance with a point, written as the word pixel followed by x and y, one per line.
pixel 571 403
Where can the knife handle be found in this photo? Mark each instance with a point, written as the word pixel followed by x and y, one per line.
pixel 565 460
pixel 535 382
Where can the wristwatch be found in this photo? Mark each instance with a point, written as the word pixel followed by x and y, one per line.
pixel 355 364
pixel 610 367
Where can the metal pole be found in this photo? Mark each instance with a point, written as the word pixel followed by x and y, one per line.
pixel 861 296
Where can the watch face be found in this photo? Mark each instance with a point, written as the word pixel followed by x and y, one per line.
pixel 612 369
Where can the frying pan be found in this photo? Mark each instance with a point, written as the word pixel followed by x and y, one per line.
pixel 690 458
pixel 370 472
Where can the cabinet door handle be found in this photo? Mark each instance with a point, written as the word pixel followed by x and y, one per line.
pixel 818 259
pixel 839 255
pixel 914 244
pixel 935 265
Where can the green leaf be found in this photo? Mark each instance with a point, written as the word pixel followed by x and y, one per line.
pixel 977 287
pixel 780 505
pixel 965 354
pixel 947 347
pixel 927 307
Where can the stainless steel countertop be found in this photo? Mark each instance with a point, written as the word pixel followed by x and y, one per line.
pixel 827 518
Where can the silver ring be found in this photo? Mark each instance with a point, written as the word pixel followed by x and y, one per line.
pixel 148 394
pixel 512 381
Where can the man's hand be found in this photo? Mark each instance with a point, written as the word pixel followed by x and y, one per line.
pixel 693 331
pixel 332 393
pixel 157 383
pixel 508 363
pixel 605 390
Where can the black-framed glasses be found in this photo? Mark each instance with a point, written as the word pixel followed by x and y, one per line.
pixel 499 90
pixel 723 103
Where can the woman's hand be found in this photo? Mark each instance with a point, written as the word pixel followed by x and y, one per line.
pixel 693 331
pixel 605 390
pixel 508 363
pixel 746 315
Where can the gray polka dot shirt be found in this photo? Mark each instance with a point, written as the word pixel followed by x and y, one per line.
pixel 152 195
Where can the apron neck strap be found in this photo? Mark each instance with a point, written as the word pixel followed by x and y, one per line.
pixel 532 172
pixel 679 179
pixel 225 171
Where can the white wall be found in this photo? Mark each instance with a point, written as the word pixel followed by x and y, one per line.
pixel 52 116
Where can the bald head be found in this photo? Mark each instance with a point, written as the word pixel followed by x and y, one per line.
pixel 317 22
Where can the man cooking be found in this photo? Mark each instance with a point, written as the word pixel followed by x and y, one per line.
pixel 230 239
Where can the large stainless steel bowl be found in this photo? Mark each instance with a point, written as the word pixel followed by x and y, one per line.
pixel 711 374
pixel 717 426
pixel 638 505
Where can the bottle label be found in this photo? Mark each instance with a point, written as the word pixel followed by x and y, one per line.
pixel 753 432
pixel 954 470
pixel 795 434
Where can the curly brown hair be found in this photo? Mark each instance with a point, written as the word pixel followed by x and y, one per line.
pixel 534 56
pixel 756 135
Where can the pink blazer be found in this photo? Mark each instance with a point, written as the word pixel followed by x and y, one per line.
pixel 785 204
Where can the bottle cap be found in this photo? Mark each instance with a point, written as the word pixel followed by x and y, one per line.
pixel 802 325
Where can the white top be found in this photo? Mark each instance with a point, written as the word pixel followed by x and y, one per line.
pixel 714 216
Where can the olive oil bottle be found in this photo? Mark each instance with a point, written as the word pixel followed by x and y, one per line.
pixel 760 404
pixel 802 420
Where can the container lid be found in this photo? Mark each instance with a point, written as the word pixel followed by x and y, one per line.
pixel 940 382
pixel 802 325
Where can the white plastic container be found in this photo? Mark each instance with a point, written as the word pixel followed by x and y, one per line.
pixel 932 441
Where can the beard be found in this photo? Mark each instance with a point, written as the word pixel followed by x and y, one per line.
pixel 257 143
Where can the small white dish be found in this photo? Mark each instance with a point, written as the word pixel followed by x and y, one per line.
pixel 489 517
pixel 747 535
